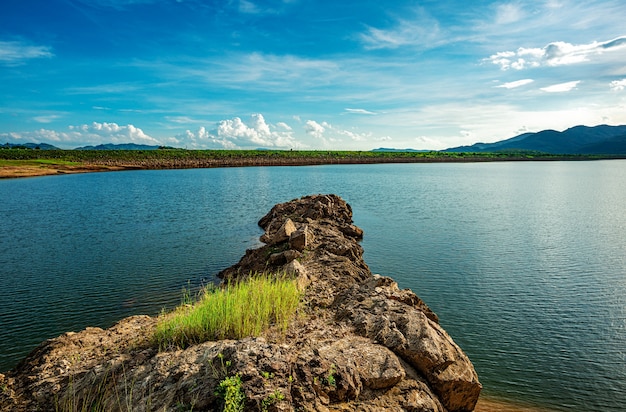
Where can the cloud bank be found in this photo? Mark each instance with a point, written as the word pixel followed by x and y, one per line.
pixel 554 54
pixel 236 134
pixel 86 134
pixel 233 133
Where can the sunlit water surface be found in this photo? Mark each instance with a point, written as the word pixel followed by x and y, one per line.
pixel 525 263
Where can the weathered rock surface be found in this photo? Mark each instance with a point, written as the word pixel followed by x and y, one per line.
pixel 359 343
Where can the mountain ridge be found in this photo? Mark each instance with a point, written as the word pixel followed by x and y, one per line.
pixel 120 146
pixel 601 139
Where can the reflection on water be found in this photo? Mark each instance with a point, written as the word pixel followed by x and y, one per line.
pixel 524 263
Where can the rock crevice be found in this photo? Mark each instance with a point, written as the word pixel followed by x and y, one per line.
pixel 359 343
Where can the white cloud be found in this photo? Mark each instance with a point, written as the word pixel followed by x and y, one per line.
pixel 618 85
pixel 112 133
pixel 509 13
pixel 112 88
pixel 358 111
pixel 327 133
pixel 284 125
pixel 256 132
pixel 515 84
pixel 14 53
pixel 314 129
pixel 554 4
pixel 422 31
pixel 354 136
pixel 561 87
pixel 180 119
pixel 46 119
pixel 201 139
pixel 236 134
pixel 554 54
pixel 86 134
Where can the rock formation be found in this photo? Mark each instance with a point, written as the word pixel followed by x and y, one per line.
pixel 359 343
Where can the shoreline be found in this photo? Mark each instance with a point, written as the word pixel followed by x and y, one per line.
pixel 20 171
pixel 31 163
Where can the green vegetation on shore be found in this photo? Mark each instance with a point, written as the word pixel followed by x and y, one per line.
pixel 235 311
pixel 173 156
pixel 37 162
pixel 20 162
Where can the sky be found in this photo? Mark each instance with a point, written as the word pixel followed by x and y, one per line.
pixel 305 74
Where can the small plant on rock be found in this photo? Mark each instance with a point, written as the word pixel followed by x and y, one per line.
pixel 271 400
pixel 267 375
pixel 330 378
pixel 231 392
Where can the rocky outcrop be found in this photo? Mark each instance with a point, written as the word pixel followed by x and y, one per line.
pixel 359 343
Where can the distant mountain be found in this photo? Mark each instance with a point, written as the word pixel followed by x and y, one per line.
pixel 615 145
pixel 123 146
pixel 36 146
pixel 601 139
pixel 387 149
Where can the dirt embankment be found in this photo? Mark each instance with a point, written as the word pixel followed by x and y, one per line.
pixel 8 171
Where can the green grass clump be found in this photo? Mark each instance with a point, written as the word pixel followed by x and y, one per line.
pixel 238 310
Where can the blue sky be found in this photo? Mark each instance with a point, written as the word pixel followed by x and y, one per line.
pixel 304 74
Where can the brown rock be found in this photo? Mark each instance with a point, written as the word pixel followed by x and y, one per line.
pixel 408 332
pixel 374 366
pixel 281 234
pixel 284 257
pixel 300 239
pixel 352 231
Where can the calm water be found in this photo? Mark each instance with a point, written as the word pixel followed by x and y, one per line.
pixel 525 263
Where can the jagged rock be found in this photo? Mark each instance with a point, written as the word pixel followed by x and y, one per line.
pixel 300 239
pixel 352 231
pixel 359 343
pixel 282 234
pixel 408 332
pixel 374 366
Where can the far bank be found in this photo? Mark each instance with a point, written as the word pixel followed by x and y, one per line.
pixel 31 162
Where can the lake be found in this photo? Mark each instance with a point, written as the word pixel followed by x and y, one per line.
pixel 524 262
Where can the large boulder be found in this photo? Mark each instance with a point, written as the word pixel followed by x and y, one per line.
pixel 411 331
